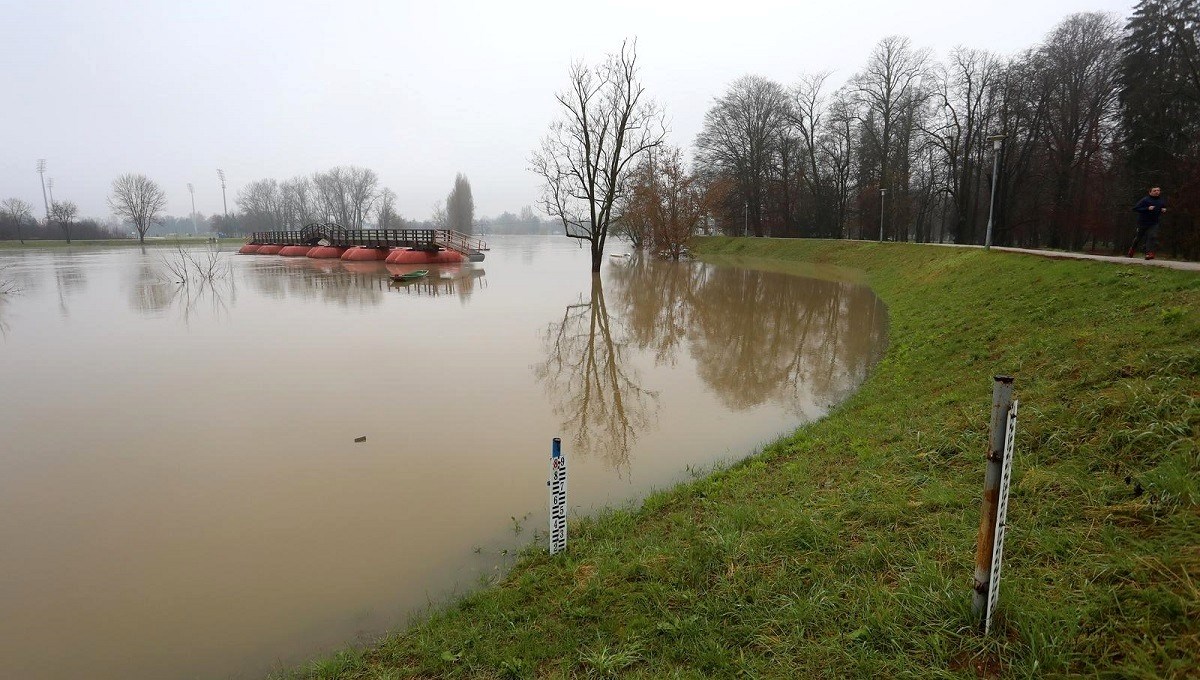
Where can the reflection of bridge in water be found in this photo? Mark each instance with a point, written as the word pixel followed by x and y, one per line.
pixel 359 283
pixel 330 235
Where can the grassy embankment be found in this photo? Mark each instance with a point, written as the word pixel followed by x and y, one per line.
pixel 166 241
pixel 846 550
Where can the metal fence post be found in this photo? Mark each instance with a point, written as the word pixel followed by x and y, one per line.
pixel 1001 403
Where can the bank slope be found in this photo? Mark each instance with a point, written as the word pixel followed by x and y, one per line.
pixel 846 549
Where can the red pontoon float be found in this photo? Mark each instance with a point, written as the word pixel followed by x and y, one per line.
pixel 410 256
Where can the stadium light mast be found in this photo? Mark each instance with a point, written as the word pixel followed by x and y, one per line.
pixel 50 186
pixel 41 170
pixel 221 176
pixel 192 191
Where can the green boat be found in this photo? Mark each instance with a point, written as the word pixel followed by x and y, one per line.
pixel 411 276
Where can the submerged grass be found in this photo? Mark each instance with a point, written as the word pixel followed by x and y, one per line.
pixel 847 548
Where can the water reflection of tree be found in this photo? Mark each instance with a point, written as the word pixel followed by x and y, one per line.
pixel 595 390
pixel 755 336
pixel 15 280
pixel 655 300
pixel 154 291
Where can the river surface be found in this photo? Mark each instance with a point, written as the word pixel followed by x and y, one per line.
pixel 181 492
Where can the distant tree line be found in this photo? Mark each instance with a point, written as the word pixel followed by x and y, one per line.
pixel 1091 118
pixel 526 221
pixel 17 223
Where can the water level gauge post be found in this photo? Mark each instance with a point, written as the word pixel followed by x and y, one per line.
pixel 558 498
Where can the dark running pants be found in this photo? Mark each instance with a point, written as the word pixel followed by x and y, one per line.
pixel 1147 236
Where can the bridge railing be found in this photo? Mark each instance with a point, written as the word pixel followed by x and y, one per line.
pixel 459 241
pixel 384 238
pixel 372 238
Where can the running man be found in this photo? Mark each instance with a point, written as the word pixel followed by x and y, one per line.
pixel 1149 210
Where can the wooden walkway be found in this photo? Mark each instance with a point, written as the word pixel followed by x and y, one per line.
pixel 339 237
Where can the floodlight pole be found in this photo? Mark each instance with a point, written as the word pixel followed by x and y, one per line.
pixel 221 176
pixel 41 170
pixel 192 191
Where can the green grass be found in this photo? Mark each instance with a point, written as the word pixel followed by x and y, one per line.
pixel 846 549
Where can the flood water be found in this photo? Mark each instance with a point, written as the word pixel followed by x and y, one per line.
pixel 181 492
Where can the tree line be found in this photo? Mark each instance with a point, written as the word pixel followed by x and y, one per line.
pixel 905 150
pixel 350 196
pixel 1050 147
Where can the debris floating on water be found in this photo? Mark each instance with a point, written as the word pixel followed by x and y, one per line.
pixel 359 440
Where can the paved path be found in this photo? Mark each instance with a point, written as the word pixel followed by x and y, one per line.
pixel 1061 255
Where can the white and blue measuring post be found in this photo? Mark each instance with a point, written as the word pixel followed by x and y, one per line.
pixel 558 498
pixel 1010 438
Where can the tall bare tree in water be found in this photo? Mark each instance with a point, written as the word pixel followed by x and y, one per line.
pixel 606 122
pixel 667 200
pixel 139 200
pixel 460 206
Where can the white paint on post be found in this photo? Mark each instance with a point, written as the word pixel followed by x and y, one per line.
pixel 558 498
pixel 1010 437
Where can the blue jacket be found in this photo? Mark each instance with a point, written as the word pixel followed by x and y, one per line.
pixel 1146 216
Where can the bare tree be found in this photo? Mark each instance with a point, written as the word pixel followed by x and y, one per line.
pixel 1081 61
pixel 438 218
pixel 964 94
pixel 139 200
pixel 606 123
pixel 297 204
pixel 386 211
pixel 19 211
pixel 460 206
pixel 261 204
pixel 346 195
pixel 64 213
pixel 887 91
pixel 740 140
pixel 837 152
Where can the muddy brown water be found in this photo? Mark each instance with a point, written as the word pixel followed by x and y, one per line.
pixel 181 492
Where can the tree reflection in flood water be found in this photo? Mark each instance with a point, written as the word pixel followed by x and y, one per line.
pixel 756 337
pixel 594 389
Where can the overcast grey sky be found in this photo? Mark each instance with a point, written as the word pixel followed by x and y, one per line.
pixel 416 91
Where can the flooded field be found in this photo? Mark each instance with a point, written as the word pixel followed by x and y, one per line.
pixel 181 492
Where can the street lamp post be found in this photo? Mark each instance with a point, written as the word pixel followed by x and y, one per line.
pixel 882 193
pixel 997 143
